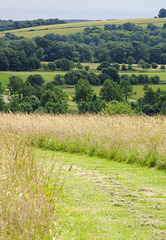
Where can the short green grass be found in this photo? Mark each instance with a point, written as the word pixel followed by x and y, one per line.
pixel 140 92
pixel 109 200
pixel 48 76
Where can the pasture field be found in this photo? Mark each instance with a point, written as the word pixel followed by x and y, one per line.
pixel 48 76
pixel 115 194
pixel 71 28
pixel 136 88
pixel 139 89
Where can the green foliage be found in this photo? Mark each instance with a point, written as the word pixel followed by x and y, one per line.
pixel 123 67
pixel 153 102
pixel 35 79
pixel 117 108
pixel 58 80
pixel 126 89
pixel 103 65
pixel 64 64
pixel 79 66
pixel 13 106
pixel 142 64
pixel 154 65
pixel 15 86
pixel 86 100
pixel 110 91
pixel 86 68
pixel 83 91
pixel 162 67
pixel 130 62
pixel 112 73
pixel 51 66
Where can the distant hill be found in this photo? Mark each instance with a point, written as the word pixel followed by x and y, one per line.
pixel 79 20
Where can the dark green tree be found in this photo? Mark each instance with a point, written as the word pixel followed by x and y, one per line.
pixel 15 87
pixel 83 91
pixel 110 91
pixel 130 62
pixel 126 89
pixel 112 73
pixel 162 13
pixel 35 79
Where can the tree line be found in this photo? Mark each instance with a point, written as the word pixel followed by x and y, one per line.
pixel 114 43
pixel 10 24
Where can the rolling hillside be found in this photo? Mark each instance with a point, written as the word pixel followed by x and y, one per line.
pixel 71 28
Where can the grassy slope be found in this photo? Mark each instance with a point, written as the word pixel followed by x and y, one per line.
pixel 108 200
pixel 71 28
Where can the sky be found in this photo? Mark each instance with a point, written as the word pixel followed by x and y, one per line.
pixel 76 9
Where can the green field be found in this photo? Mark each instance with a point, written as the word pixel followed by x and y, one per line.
pixel 108 200
pixel 48 76
pixel 71 28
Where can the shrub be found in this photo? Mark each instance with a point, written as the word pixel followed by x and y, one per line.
pixel 154 65
pixel 162 67
pixel 87 68
pixel 117 108
pixel 123 67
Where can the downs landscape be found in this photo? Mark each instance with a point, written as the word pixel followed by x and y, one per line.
pixel 83 130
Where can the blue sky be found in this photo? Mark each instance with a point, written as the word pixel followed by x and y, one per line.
pixel 85 9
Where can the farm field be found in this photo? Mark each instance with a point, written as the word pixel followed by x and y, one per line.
pixel 71 28
pixel 136 88
pixel 48 76
pixel 117 193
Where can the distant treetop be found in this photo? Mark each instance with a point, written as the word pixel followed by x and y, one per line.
pixel 162 13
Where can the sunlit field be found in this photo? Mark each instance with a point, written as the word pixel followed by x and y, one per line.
pixel 71 28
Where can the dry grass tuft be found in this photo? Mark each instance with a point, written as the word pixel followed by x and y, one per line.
pixel 27 195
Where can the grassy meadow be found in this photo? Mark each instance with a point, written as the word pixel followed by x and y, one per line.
pixel 71 28
pixel 107 192
pixel 139 139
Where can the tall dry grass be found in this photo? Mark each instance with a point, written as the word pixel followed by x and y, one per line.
pixel 140 139
pixel 28 197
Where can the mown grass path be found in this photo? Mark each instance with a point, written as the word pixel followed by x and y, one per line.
pixel 109 200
